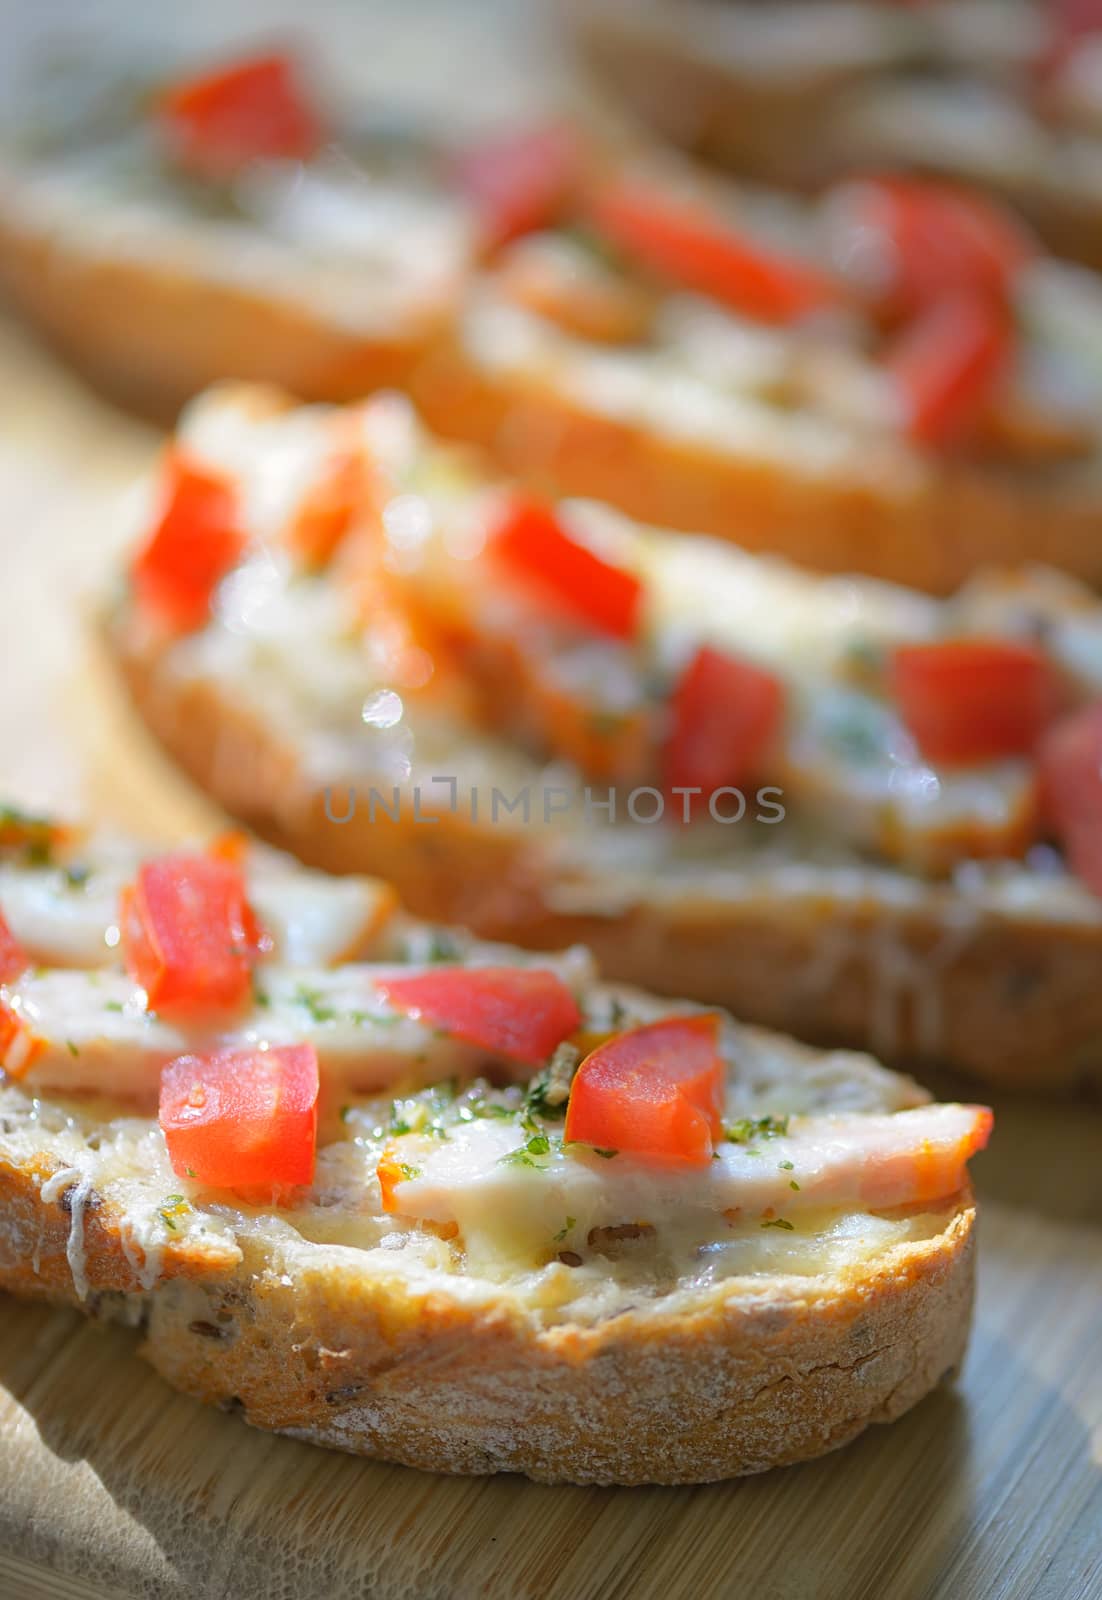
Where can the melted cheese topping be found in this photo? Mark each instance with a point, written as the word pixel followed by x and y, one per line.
pixel 99 1153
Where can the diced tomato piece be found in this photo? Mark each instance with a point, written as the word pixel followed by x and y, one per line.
pixel 910 243
pixel 1070 22
pixel 217 123
pixel 726 713
pixel 189 935
pixel 520 182
pixel 533 545
pixel 684 243
pixel 1070 766
pixel 14 960
pixel 653 1091
pixel 520 1012
pixel 196 541
pixel 242 1119
pixel 947 366
pixel 974 700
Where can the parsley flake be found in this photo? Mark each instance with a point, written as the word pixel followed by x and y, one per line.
pixel 749 1128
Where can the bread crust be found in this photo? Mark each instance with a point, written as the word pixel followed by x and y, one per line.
pixel 35 1234
pixel 733 1378
pixel 933 535
pixel 906 969
pixel 151 332
pixel 744 1381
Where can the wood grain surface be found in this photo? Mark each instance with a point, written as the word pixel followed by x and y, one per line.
pixel 111 1484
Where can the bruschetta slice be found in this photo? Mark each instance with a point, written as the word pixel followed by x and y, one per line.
pixel 893 380
pixel 830 804
pixel 884 380
pixel 234 218
pixel 1005 94
pixel 449 1203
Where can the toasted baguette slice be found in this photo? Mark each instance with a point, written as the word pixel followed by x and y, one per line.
pixel 797 93
pixel 511 1302
pixel 346 274
pixel 330 276
pixel 786 439
pixel 282 708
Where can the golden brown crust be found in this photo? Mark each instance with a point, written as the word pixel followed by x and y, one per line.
pixel 152 333
pixel 958 519
pixel 35 1235
pixel 921 979
pixel 764 1373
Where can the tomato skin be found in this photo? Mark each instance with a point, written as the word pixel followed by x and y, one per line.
pixel 196 541
pixel 684 243
pixel 653 1091
pixel 932 240
pixel 14 960
pixel 726 713
pixel 974 700
pixel 947 365
pixel 521 182
pixel 242 1119
pixel 520 1012
pixel 217 123
pixel 189 935
pixel 1069 762
pixel 532 545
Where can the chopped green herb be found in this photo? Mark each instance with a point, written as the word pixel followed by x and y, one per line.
pixel 407 1171
pixel 786 1166
pixel 443 946
pixel 315 1003
pixel 261 997
pixel 565 1229
pixel 856 729
pixel 864 653
pixel 71 1047
pixel 526 1155
pixel 484 1108
pixel 794 1185
pixel 549 1090
pixel 77 875
pixel 748 1128
pixel 172 1206
pixel 344 1113
pixel 779 1222
pixel 617 1013
pixel 189 1172
pixel 113 1005
pixel 605 1155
